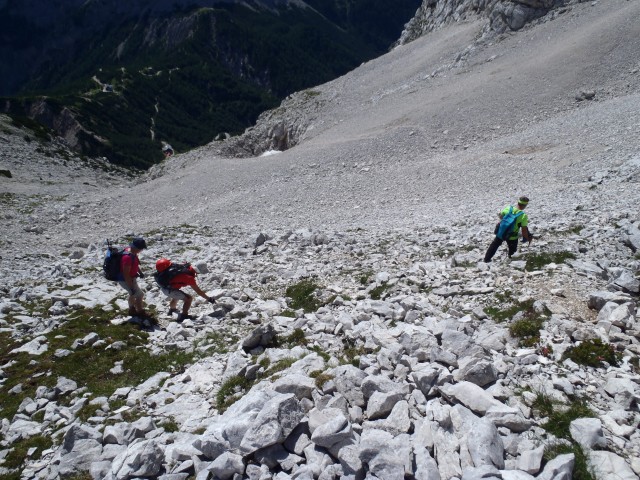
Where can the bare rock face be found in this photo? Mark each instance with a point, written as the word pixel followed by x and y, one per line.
pixel 279 129
pixel 502 15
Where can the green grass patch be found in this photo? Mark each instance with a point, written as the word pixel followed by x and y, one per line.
pixel 581 469
pixel 320 378
pixel 170 425
pixel 325 356
pixel 527 330
pixel 501 313
pixel 230 391
pixel 592 353
pixel 535 261
pixel 365 277
pixel 376 293
pixel 352 352
pixel 235 387
pixel 87 366
pixel 279 366
pixel 295 338
pixel 302 296
pixel 19 450
pixel 559 418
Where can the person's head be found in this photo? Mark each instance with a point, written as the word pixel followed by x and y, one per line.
pixel 523 201
pixel 162 264
pixel 137 245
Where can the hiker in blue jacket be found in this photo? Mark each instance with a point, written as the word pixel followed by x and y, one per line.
pixel 512 219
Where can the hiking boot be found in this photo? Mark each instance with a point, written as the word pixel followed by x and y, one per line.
pixel 172 311
pixel 182 317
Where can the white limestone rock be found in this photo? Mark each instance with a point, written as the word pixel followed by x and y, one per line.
pixel 141 459
pixel 226 466
pixel 470 395
pixel 610 465
pixel 273 424
pixel 530 461
pixel 485 445
pixel 588 433
pixel 300 385
pixel 559 468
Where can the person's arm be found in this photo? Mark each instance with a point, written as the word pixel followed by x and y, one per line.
pixel 199 291
pixel 526 235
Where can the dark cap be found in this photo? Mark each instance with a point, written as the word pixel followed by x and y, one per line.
pixel 138 243
pixel 523 200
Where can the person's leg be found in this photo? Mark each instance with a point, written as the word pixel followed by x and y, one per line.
pixel 131 299
pixel 132 305
pixel 513 246
pixel 493 248
pixel 187 304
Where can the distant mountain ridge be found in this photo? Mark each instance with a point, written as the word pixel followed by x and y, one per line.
pixel 130 76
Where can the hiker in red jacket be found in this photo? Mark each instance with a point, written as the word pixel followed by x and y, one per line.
pixel 128 279
pixel 171 278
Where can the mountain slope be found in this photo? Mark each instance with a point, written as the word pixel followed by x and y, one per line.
pixel 357 332
pixel 181 72
pixel 389 134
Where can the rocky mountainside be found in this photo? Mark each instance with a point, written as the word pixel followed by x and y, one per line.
pixel 502 16
pixel 356 333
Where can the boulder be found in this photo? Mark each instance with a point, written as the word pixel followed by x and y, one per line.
pixel 261 336
pixel 559 468
pixel 470 395
pixel 335 430
pixel 588 433
pixel 226 466
pixel 300 385
pixel 481 372
pixel 273 424
pixel 485 445
pixel 348 380
pixel 610 465
pixel 531 460
pixel 141 459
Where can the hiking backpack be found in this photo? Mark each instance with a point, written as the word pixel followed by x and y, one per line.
pixel 163 278
pixel 507 225
pixel 112 262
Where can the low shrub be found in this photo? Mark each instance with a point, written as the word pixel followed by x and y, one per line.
pixel 230 391
pixel 302 296
pixel 561 417
pixel 592 353
pixel 501 313
pixel 581 469
pixel 321 378
pixel 295 338
pixel 527 330
pixel 376 293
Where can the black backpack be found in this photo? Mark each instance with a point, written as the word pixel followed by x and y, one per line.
pixel 113 262
pixel 163 278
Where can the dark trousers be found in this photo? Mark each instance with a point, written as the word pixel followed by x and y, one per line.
pixel 495 245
